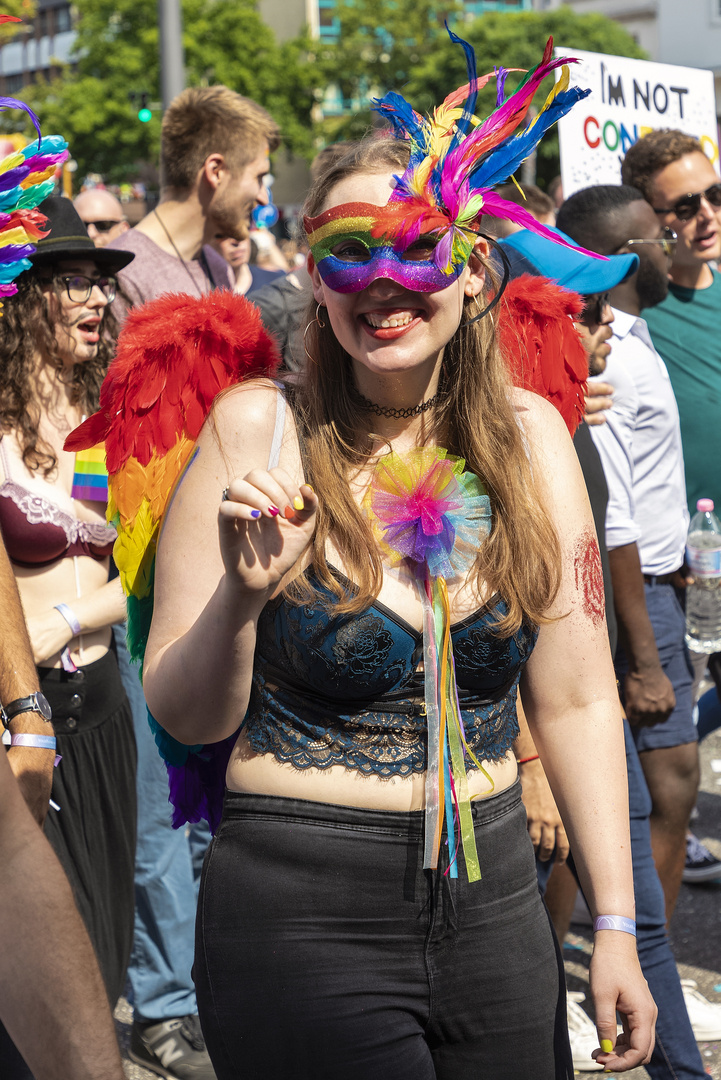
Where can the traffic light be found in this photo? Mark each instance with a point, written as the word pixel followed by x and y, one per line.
pixel 145 113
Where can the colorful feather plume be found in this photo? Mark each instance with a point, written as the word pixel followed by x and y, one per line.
pixel 27 177
pixel 457 158
pixel 428 513
pixel 174 356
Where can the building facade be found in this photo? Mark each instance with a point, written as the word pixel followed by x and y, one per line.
pixel 38 49
pixel 670 31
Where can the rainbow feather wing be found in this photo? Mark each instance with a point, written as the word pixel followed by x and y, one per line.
pixel 174 356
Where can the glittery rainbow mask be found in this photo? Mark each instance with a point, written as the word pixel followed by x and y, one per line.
pixel 352 244
pixel 424 235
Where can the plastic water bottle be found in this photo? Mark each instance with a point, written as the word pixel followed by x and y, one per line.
pixel 703 598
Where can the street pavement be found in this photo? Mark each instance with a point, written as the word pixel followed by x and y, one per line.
pixel 696 924
pixel 695 929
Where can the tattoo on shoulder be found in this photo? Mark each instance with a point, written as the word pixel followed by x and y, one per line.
pixel 589 576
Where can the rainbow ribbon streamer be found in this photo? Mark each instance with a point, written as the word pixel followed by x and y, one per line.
pixel 430 515
pixel 90 479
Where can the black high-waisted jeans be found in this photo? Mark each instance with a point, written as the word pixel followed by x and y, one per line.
pixel 324 951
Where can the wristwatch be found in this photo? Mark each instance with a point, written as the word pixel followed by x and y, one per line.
pixel 34 703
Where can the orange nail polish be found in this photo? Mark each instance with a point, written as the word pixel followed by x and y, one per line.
pixel 289 512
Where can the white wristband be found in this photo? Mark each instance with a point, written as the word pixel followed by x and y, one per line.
pixel 70 618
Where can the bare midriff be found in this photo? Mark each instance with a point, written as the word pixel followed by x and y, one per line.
pixel 41 589
pixel 263 774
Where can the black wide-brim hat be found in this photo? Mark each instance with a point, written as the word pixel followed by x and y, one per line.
pixel 68 238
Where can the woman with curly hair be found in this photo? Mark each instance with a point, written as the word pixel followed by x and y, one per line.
pixel 55 336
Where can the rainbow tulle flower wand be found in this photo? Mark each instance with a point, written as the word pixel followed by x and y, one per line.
pixel 430 515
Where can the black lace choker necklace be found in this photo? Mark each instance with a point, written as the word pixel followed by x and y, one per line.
pixel 397 414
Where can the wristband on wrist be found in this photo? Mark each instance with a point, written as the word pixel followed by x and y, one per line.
pixel 523 760
pixel 614 922
pixel 41 742
pixel 70 618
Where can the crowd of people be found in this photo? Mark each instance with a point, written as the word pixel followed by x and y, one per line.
pixel 319 933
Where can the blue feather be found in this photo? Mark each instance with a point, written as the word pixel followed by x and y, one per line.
pixel 51 144
pixel 464 124
pixel 400 115
pixel 496 166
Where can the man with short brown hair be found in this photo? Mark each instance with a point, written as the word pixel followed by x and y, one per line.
pixel 214 156
pixel 678 180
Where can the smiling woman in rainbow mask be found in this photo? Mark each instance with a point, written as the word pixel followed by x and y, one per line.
pixel 360 566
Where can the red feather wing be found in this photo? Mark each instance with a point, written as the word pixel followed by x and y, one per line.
pixel 190 347
pixel 542 346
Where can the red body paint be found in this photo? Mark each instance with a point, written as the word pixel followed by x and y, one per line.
pixel 589 576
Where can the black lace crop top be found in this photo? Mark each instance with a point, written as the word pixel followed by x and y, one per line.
pixel 344 689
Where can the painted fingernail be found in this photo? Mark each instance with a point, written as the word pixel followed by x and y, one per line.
pixel 607 1046
pixel 289 512
pixel 255 513
pixel 273 511
pixel 311 487
pixel 298 503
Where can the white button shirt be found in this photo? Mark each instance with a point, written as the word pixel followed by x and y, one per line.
pixel 640 448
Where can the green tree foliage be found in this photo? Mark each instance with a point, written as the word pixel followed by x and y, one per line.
pixel 402 45
pixel 380 43
pixel 18 9
pixel 116 53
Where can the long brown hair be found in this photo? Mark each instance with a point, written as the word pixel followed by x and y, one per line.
pixel 26 329
pixel 476 420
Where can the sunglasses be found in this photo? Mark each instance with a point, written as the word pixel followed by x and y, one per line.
pixel 688 206
pixel 592 313
pixel 78 287
pixel 105 226
pixel 667 241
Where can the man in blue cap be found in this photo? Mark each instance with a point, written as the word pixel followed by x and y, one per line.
pixel 676 1054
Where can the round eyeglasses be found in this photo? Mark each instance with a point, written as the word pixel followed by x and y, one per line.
pixel 667 241
pixel 78 287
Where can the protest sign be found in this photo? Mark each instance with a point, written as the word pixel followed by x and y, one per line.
pixel 628 99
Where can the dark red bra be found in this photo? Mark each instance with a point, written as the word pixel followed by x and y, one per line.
pixel 38 532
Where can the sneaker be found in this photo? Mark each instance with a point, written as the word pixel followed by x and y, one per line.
pixel 701 865
pixel 705 1015
pixel 174 1049
pixel 582 1034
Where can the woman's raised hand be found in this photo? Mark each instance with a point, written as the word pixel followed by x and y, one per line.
pixel 265 522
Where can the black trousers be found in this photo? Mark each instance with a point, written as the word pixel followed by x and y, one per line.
pixel 325 951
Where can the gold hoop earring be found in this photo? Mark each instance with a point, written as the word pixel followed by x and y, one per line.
pixel 313 322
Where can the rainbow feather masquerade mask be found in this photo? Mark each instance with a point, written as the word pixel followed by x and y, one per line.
pixel 424 235
pixel 350 250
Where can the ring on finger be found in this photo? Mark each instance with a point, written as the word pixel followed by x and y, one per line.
pixel 226 495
